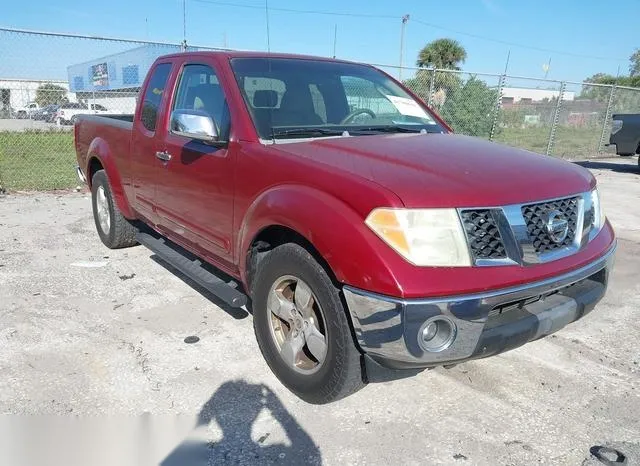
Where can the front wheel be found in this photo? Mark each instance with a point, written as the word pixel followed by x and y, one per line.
pixel 114 230
pixel 302 327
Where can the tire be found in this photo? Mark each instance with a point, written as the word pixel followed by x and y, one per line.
pixel 340 373
pixel 117 232
pixel 74 119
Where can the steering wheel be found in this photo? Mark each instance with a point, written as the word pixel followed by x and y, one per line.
pixel 355 113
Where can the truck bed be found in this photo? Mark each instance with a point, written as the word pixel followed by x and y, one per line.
pixel 113 132
pixel 123 117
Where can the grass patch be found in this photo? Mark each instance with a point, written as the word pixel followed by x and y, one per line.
pixel 46 160
pixel 569 142
pixel 37 160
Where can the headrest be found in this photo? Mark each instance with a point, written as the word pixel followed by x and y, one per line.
pixel 265 99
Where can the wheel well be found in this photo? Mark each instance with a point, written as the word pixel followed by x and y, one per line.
pixel 94 166
pixel 272 237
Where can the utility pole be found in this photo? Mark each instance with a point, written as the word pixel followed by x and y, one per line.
pixel 506 65
pixel 405 19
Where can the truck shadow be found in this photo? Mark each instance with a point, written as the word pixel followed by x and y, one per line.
pixel 235 407
pixel 630 167
pixel 236 313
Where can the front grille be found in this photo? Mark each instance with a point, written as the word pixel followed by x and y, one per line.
pixel 537 215
pixel 483 235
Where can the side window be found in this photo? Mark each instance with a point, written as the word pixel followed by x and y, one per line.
pixel 153 95
pixel 199 89
pixel 318 102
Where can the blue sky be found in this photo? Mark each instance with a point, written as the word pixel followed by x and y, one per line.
pixel 596 37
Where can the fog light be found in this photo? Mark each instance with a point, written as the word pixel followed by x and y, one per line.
pixel 437 334
pixel 430 331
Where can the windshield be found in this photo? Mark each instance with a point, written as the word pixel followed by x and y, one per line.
pixel 300 98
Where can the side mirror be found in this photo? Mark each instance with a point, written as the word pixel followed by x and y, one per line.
pixel 194 124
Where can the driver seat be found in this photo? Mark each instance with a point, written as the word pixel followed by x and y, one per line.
pixel 296 108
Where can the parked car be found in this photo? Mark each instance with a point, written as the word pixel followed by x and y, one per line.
pixel 27 111
pixel 625 134
pixel 46 113
pixel 68 113
pixel 371 242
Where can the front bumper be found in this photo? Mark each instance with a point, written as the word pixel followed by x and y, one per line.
pixel 389 329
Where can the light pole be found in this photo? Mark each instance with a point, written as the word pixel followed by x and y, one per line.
pixel 405 19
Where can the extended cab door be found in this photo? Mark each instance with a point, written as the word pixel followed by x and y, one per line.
pixel 195 191
pixel 145 165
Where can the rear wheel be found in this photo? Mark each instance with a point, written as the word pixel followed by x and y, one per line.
pixel 114 230
pixel 302 327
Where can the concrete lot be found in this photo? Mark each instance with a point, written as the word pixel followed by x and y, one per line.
pixel 28 124
pixel 88 331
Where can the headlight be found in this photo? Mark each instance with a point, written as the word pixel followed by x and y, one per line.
pixel 597 211
pixel 424 237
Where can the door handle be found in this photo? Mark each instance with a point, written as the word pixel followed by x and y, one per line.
pixel 164 156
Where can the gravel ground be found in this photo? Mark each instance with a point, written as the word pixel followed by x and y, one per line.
pixel 88 332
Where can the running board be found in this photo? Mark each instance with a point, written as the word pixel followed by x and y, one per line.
pixel 192 269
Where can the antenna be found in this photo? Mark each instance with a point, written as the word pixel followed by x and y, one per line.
pixel 266 13
pixel 184 25
pixel 405 18
pixel 335 38
pixel 546 67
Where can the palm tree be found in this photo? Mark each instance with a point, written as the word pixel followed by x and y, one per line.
pixel 442 54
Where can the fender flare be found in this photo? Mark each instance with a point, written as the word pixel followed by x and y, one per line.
pixel 335 230
pixel 99 149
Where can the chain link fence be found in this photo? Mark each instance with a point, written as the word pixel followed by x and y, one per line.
pixel 559 118
pixel 47 80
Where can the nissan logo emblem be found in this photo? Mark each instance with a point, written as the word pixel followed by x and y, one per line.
pixel 557 227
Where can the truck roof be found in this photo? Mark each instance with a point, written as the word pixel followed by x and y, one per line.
pixel 254 54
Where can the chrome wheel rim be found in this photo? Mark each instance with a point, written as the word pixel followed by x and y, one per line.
pixel 297 324
pixel 102 206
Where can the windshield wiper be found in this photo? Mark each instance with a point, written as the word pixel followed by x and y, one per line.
pixel 306 132
pixel 386 129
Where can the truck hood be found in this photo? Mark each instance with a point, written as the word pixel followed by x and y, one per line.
pixel 447 170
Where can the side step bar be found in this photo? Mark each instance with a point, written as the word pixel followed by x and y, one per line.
pixel 192 269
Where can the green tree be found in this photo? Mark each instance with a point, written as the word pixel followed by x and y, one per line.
pixel 634 66
pixel 601 94
pixel 442 54
pixel 470 107
pixel 49 93
pixel 443 83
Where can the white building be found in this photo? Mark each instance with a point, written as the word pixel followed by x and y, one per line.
pixel 17 93
pixel 512 95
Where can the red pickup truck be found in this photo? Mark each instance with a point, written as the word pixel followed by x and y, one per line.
pixel 370 240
